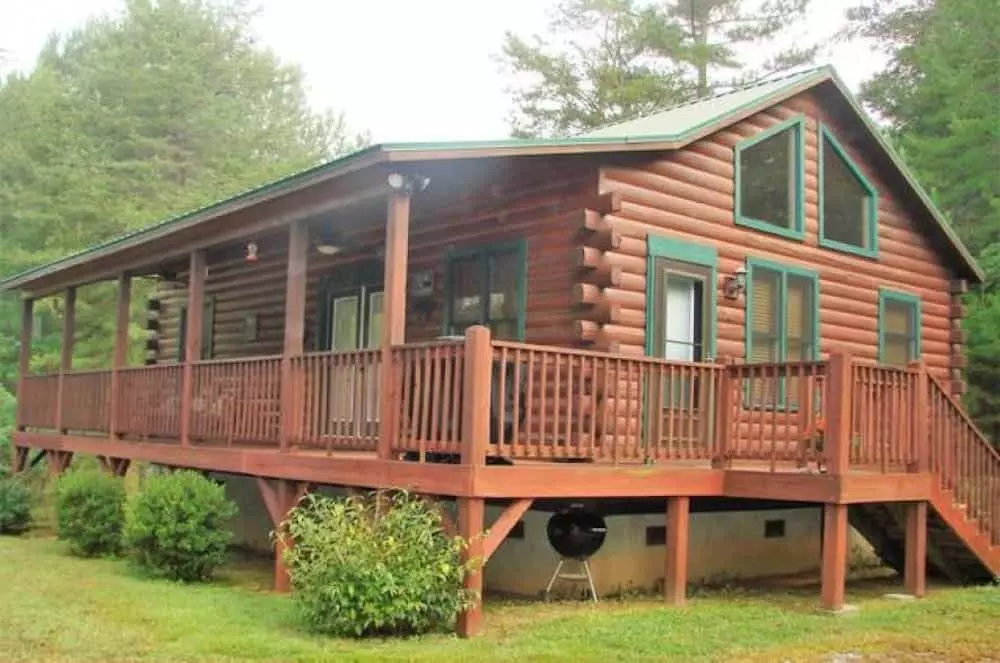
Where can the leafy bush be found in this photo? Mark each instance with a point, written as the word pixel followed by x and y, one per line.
pixel 176 527
pixel 358 573
pixel 15 505
pixel 90 510
pixel 8 407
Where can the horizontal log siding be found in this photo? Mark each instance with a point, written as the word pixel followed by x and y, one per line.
pixel 546 215
pixel 689 195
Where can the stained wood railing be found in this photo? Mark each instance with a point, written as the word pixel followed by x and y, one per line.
pixel 430 392
pixel 963 461
pixel 86 401
pixel 237 400
pixel 883 430
pixel 149 402
pixel 38 401
pixel 336 399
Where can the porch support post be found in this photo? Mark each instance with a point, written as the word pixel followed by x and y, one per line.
pixel 921 414
pixel 295 325
pixel 280 497
pixel 834 573
pixel 397 237
pixel 66 365
pixel 476 395
pixel 676 571
pixel 197 268
pixel 24 365
pixel 119 356
pixel 915 568
pixel 471 519
pixel 837 445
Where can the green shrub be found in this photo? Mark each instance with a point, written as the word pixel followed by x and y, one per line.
pixel 90 511
pixel 15 505
pixel 176 527
pixel 355 573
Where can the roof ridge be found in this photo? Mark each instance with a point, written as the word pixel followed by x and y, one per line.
pixel 764 80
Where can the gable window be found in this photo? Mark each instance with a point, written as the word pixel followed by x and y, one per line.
pixel 848 202
pixel 898 328
pixel 770 180
pixel 487 286
pixel 207 326
pixel 782 321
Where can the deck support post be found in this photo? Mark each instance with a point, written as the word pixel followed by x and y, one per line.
pixel 840 387
pixel 66 363
pixel 280 497
pixel 295 324
pixel 397 239
pixel 834 572
pixel 120 355
pixel 115 466
pixel 915 568
pixel 24 364
pixel 59 461
pixel 197 268
pixel 676 570
pixel 471 519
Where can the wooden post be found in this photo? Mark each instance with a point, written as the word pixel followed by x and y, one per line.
pixel 834 575
pixel 192 346
pixel 840 391
pixel 295 325
pixel 119 356
pixel 397 239
pixel 476 397
pixel 280 499
pixel 920 425
pixel 66 365
pixel 915 569
pixel 723 417
pixel 24 365
pixel 676 571
pixel 471 519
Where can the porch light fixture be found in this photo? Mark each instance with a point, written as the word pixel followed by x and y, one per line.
pixel 407 183
pixel 327 243
pixel 252 251
pixel 735 285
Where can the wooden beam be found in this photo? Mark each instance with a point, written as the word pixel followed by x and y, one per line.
pixel 66 363
pixel 839 389
pixel 397 240
pixel 119 355
pixel 198 269
pixel 476 399
pixel 503 525
pixel 915 570
pixel 24 361
pixel 834 572
pixel 676 569
pixel 471 515
pixel 295 324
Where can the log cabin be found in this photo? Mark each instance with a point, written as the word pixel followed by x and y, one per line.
pixel 742 305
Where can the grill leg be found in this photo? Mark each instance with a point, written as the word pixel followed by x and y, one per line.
pixel 552 580
pixel 590 580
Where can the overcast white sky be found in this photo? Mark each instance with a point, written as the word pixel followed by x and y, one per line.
pixel 404 69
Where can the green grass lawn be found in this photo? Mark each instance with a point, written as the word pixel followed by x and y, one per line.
pixel 57 608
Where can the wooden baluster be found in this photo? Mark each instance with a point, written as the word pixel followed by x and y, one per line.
pixel 500 404
pixel 24 398
pixel 516 411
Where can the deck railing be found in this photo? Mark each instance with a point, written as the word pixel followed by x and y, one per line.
pixel 883 430
pixel 237 400
pixel 149 402
pixel 963 460
pixel 430 383
pixel 86 401
pixel 337 398
pixel 37 404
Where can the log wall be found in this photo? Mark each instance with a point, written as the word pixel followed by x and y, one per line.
pixel 689 195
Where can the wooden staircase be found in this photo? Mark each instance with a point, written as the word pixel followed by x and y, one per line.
pixel 963 521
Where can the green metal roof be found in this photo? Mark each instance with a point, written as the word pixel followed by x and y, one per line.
pixel 669 129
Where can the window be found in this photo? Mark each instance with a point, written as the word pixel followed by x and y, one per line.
pixel 782 323
pixel 848 203
pixel 656 535
pixel 898 328
pixel 770 180
pixel 487 286
pixel 774 529
pixel 207 327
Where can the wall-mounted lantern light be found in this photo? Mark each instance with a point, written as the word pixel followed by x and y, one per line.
pixel 735 285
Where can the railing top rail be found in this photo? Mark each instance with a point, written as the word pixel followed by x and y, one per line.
pixel 555 349
pixel 253 359
pixel 965 417
pixel 39 376
pixel 446 342
pixel 336 353
pixel 151 367
pixel 872 365
pixel 88 371
pixel 756 366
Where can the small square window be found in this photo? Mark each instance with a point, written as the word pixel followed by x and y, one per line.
pixel 656 535
pixel 774 529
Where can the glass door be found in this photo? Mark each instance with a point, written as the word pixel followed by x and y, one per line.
pixel 355 316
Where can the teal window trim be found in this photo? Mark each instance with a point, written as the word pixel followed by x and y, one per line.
pixel 696 254
pixel 207 330
pixel 886 295
pixel 798 231
pixel 825 135
pixel 783 271
pixel 520 248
